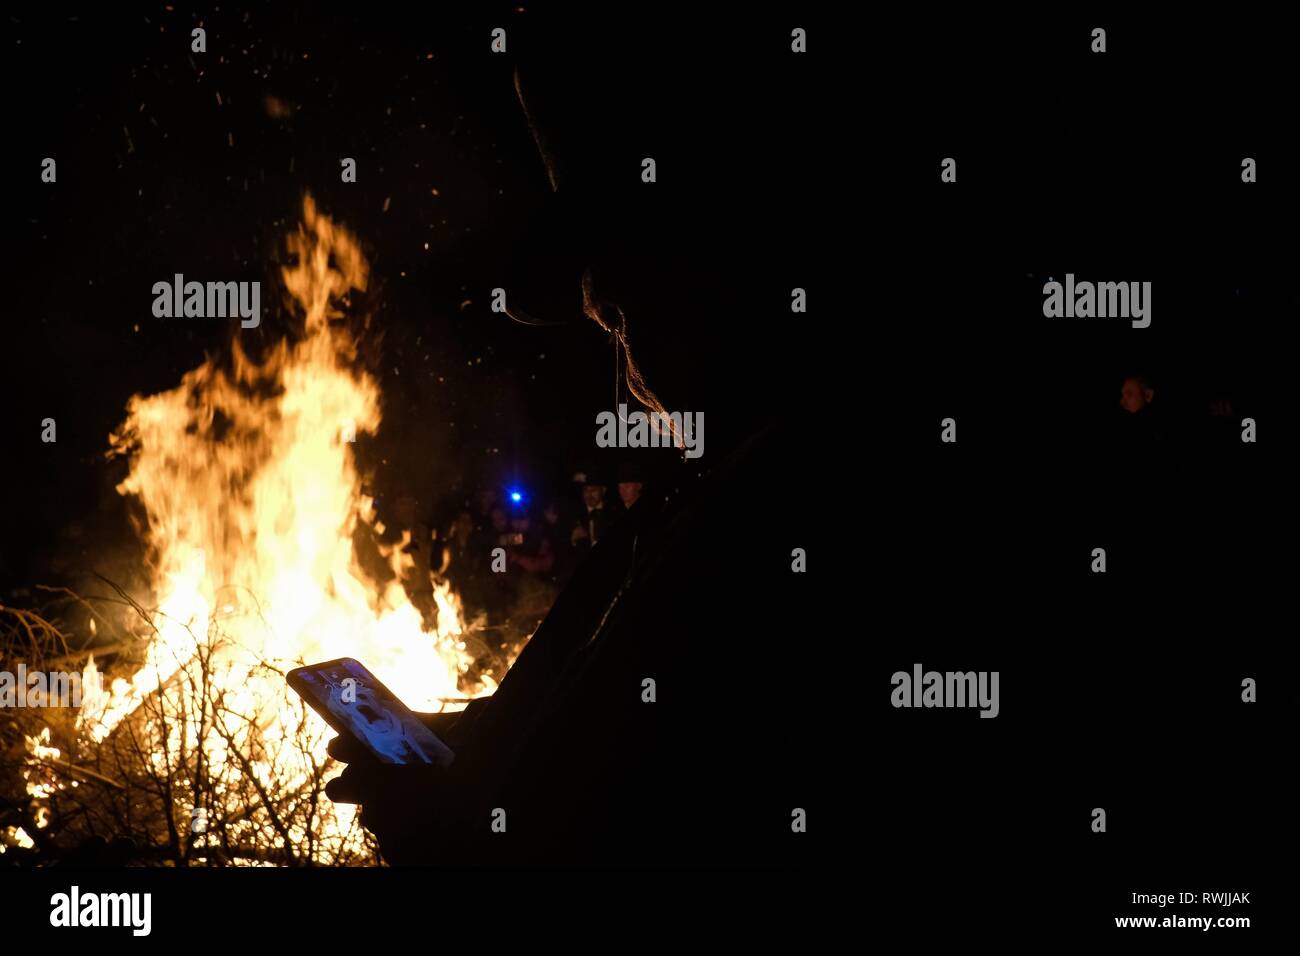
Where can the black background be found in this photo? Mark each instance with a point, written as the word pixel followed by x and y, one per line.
pixel 1119 691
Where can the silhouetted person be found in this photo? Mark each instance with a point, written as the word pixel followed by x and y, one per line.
pixel 595 519
pixel 530 549
pixel 557 532
pixel 631 482
pixel 464 560
pixel 1160 446
pixel 646 721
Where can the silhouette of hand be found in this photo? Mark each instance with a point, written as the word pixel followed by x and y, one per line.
pixel 399 803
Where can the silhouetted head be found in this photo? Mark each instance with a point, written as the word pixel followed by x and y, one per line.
pixel 689 277
pixel 629 492
pixel 1136 394
pixel 593 496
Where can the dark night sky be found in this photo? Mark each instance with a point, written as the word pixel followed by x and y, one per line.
pixel 1123 166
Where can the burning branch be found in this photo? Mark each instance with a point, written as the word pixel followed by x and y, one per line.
pixel 253 504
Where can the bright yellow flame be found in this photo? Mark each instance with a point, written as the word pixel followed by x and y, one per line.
pixel 252 498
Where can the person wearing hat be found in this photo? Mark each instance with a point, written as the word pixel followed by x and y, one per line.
pixel 596 518
pixel 631 483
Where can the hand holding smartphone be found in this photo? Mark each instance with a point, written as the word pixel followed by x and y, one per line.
pixel 357 704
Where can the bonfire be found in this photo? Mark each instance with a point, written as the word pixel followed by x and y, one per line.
pixel 264 554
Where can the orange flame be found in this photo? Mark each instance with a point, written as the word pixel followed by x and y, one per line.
pixel 252 499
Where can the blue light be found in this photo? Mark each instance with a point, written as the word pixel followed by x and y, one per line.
pixel 516 497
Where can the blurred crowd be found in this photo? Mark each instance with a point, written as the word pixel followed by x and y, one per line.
pixel 509 548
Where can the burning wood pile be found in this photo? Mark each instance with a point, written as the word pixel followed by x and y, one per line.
pixel 264 554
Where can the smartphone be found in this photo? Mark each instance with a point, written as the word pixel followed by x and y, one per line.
pixel 355 702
